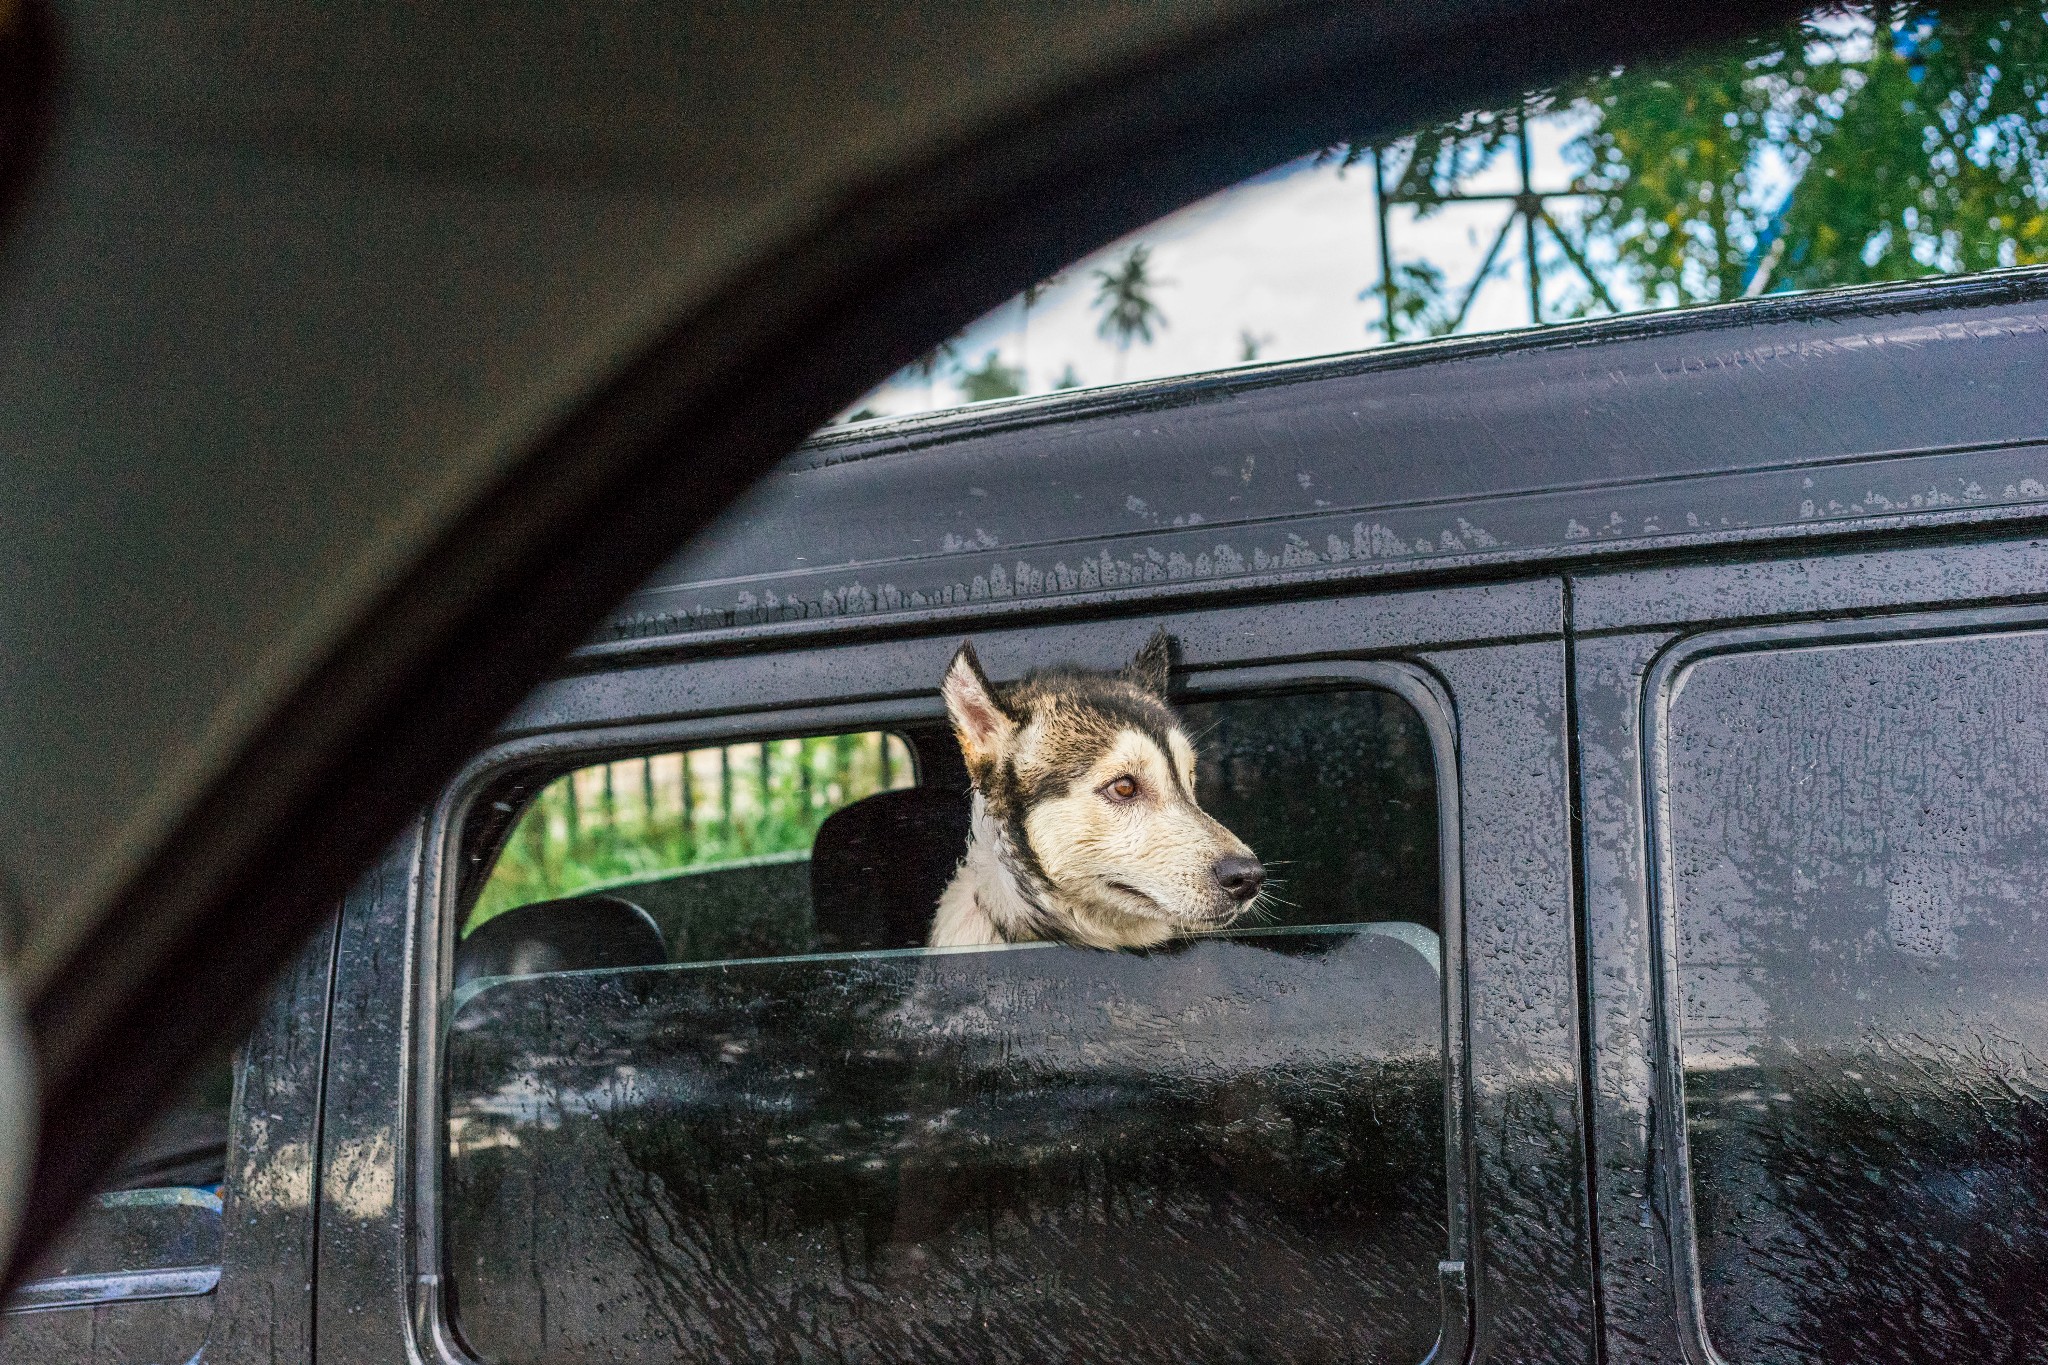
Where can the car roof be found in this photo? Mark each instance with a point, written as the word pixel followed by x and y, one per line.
pixel 1762 419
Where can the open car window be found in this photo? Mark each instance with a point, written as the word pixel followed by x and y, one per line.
pixel 832 1139
pixel 715 843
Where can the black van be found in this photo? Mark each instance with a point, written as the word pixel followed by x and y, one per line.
pixel 1648 718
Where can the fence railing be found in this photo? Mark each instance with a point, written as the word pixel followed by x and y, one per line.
pixel 683 811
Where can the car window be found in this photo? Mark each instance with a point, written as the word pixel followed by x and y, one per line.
pixel 1856 854
pixel 1861 143
pixel 1230 1146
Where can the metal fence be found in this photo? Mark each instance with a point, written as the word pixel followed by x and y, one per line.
pixel 688 810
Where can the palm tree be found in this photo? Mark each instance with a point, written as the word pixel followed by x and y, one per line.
pixel 926 368
pixel 993 379
pixel 1125 296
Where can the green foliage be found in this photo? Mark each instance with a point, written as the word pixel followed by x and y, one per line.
pixel 1866 143
pixel 992 379
pixel 641 818
pixel 925 369
pixel 1915 140
pixel 1124 294
pixel 1034 292
pixel 1421 305
pixel 1936 163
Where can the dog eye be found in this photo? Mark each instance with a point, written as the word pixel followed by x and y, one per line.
pixel 1122 789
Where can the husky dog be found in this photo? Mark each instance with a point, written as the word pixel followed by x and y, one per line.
pixel 1085 827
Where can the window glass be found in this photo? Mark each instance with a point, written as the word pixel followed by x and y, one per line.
pixel 1231 1148
pixel 1857 846
pixel 1337 794
pixel 1862 143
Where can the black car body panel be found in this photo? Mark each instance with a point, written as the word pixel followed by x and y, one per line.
pixel 1536 537
pixel 1731 425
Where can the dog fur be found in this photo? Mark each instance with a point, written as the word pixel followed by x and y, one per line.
pixel 1085 826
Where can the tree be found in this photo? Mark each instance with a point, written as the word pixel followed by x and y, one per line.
pixel 1935 163
pixel 1871 142
pixel 992 380
pixel 1068 379
pixel 926 369
pixel 1421 303
pixel 1124 294
pixel 1249 344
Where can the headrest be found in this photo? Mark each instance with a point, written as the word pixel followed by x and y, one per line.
pixel 879 865
pixel 561 936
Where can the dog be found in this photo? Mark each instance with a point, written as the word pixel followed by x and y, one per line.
pixel 1085 828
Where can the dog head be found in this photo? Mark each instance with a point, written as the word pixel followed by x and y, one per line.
pixel 1089 783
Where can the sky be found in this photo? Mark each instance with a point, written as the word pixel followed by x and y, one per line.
pixel 1291 257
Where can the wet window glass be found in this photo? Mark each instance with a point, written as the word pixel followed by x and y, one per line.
pixel 1857 849
pixel 844 1145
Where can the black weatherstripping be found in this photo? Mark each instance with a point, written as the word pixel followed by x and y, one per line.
pixel 361 743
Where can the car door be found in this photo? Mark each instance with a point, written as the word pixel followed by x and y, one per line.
pixel 1810 776
pixel 203 1242
pixel 433 1220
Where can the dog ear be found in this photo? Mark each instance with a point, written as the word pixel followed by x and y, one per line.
pixel 1149 670
pixel 979 721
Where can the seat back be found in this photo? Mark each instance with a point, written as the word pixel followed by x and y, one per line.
pixel 567 935
pixel 879 865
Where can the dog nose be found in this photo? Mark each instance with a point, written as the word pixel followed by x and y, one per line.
pixel 1240 878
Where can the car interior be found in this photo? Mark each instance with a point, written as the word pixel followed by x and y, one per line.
pixel 876 865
